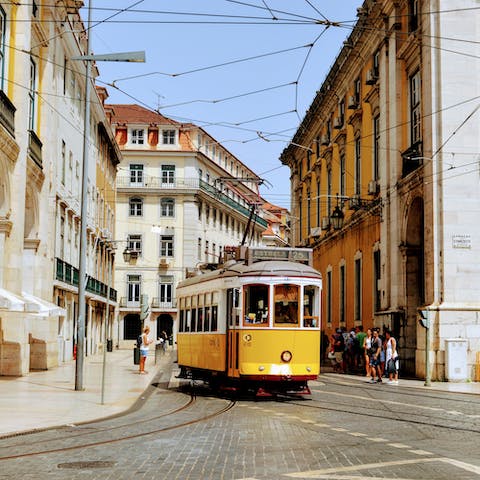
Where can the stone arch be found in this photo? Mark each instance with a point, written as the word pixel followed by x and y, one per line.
pixel 164 323
pixel 132 326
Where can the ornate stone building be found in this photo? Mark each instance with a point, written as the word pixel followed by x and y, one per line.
pixel 385 184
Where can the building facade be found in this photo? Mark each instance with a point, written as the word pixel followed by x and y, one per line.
pixel 42 107
pixel 383 183
pixel 181 199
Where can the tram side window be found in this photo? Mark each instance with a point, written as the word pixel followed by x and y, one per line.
pixel 187 323
pixel 286 305
pixel 214 318
pixel 206 325
pixel 200 320
pixel 181 323
pixel 311 306
pixel 193 321
pixel 255 304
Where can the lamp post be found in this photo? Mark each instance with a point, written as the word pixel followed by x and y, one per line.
pixel 82 270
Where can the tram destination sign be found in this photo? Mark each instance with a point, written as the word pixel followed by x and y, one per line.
pixel 301 255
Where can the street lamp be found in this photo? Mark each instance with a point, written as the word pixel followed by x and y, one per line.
pixel 336 218
pixel 82 270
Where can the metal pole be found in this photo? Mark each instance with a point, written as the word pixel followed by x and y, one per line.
pixel 107 315
pixel 428 374
pixel 82 270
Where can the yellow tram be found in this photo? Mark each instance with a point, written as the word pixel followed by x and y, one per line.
pixel 253 323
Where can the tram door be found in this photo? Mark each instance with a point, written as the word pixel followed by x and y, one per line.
pixel 233 334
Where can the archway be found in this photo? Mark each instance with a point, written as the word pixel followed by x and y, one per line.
pixel 414 284
pixel 132 326
pixel 165 323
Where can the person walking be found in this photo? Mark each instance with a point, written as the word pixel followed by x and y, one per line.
pixel 164 340
pixel 375 358
pixel 146 341
pixel 367 345
pixel 391 358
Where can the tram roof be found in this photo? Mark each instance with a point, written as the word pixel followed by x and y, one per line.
pixel 265 269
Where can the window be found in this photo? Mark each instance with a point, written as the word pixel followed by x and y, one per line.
pixel 136 174
pixel 341 111
pixel 376 147
pixel 286 305
pixel 376 64
pixel 165 290
pixel 166 245
pixel 134 243
pixel 357 91
pixel 255 304
pixel 342 174
pixel 415 114
pixel 309 160
pixel 168 175
pixel 168 137
pixel 376 279
pixel 64 160
pixel 413 15
pixel 342 295
pixel 32 95
pixel 207 246
pixel 136 207
pixel 300 217
pixel 199 248
pixel 2 46
pixel 309 207
pixel 358 290
pixel 329 297
pixel 137 137
pixel 318 203
pixel 358 167
pixel 200 173
pixel 133 289
pixel 311 306
pixel 329 191
pixel 167 207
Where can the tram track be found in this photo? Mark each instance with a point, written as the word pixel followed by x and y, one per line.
pixel 166 428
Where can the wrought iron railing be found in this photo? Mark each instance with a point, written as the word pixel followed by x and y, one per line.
pixel 158 303
pixel 35 148
pixel 7 113
pixel 69 274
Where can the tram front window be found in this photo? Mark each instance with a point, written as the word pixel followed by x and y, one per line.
pixel 286 305
pixel 255 304
pixel 310 306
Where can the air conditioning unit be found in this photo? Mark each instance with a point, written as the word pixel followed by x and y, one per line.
pixel 337 123
pixel 371 77
pixel 373 187
pixel 352 103
pixel 354 203
pixel 325 223
pixel 325 140
pixel 163 263
pixel 315 232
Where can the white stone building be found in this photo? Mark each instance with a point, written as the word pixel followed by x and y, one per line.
pixel 181 199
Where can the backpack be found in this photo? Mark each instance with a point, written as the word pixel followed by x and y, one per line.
pixel 139 341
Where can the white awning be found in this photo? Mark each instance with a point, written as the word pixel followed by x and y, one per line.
pixel 42 307
pixel 10 301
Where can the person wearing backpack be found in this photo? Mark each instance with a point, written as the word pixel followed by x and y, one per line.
pixel 144 343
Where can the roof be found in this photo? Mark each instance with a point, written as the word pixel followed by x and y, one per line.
pixel 132 113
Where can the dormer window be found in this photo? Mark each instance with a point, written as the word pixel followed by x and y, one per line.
pixel 137 137
pixel 168 137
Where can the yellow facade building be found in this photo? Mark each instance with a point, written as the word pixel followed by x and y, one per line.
pixel 380 182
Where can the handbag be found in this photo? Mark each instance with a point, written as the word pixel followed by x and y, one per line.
pixel 331 355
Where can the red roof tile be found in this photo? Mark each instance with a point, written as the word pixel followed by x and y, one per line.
pixel 136 114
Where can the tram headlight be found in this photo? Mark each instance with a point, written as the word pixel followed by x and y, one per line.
pixel 309 369
pixel 261 368
pixel 286 356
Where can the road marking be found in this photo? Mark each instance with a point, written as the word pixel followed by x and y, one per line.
pixel 398 445
pixel 357 434
pixel 420 452
pixel 307 421
pixel 377 439
pixel 322 425
pixel 338 429
pixel 465 466
pixel 354 468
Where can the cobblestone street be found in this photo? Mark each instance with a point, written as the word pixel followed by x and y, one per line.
pixel 346 429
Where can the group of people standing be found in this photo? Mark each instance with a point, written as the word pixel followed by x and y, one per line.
pixel 354 350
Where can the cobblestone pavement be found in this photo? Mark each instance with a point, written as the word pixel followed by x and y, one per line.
pixel 345 430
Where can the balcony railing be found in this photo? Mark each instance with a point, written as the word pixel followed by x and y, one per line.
pixel 126 303
pixel 69 274
pixel 7 113
pixel 35 148
pixel 158 303
pixel 412 158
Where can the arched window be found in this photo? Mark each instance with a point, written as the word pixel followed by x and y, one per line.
pixel 136 207
pixel 167 207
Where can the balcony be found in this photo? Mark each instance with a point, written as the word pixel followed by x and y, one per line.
pixel 69 274
pixel 160 304
pixel 7 114
pixel 126 303
pixel 412 158
pixel 35 148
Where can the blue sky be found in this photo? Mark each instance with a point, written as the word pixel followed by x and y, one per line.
pixel 176 43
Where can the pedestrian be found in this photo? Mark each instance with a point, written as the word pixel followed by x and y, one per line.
pixel 367 345
pixel 375 358
pixel 391 357
pixel 360 346
pixel 164 340
pixel 338 346
pixel 146 341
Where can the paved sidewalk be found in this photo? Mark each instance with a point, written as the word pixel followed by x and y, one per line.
pixel 45 399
